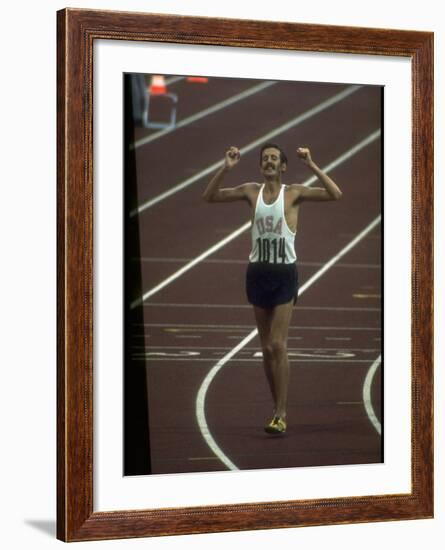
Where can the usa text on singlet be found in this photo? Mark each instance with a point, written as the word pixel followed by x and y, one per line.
pixel 272 240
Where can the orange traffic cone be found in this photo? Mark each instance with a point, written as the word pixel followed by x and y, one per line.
pixel 200 79
pixel 157 85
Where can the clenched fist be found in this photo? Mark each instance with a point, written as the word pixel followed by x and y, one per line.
pixel 304 154
pixel 232 157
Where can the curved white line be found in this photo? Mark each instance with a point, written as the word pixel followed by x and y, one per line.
pixel 200 399
pixel 367 402
pixel 200 402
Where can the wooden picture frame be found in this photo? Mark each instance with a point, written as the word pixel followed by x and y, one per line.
pixel 77 31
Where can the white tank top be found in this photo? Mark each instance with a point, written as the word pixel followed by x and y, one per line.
pixel 272 240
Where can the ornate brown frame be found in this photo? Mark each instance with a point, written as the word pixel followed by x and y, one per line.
pixel 77 30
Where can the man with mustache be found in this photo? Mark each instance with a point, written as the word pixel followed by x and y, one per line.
pixel 272 277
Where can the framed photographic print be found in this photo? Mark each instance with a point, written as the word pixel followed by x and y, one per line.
pixel 244 275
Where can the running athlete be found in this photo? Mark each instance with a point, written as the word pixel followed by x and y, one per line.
pixel 272 277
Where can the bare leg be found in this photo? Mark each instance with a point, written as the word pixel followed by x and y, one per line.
pixel 273 327
pixel 281 317
pixel 263 320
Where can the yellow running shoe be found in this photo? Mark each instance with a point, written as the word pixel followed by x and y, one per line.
pixel 276 426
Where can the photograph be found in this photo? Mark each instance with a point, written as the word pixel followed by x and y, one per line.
pixel 253 273
pixel 236 202
pixel 219 222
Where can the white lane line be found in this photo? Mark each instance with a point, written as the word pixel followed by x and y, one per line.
pixel 367 401
pixel 186 305
pixel 346 156
pixel 269 135
pixel 206 328
pixel 248 350
pixel 200 399
pixel 186 325
pixel 200 458
pixel 232 306
pixel 344 251
pixel 334 164
pixel 205 112
pixel 156 260
pixel 189 266
pixel 200 402
pixel 254 362
pixel 202 348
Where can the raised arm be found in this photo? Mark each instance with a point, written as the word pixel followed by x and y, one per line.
pixel 213 192
pixel 330 191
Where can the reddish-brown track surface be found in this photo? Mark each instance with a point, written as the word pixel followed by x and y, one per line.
pixel 193 322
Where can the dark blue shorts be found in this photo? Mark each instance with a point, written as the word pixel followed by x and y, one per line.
pixel 269 285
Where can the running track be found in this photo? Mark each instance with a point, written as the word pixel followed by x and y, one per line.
pixel 207 394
